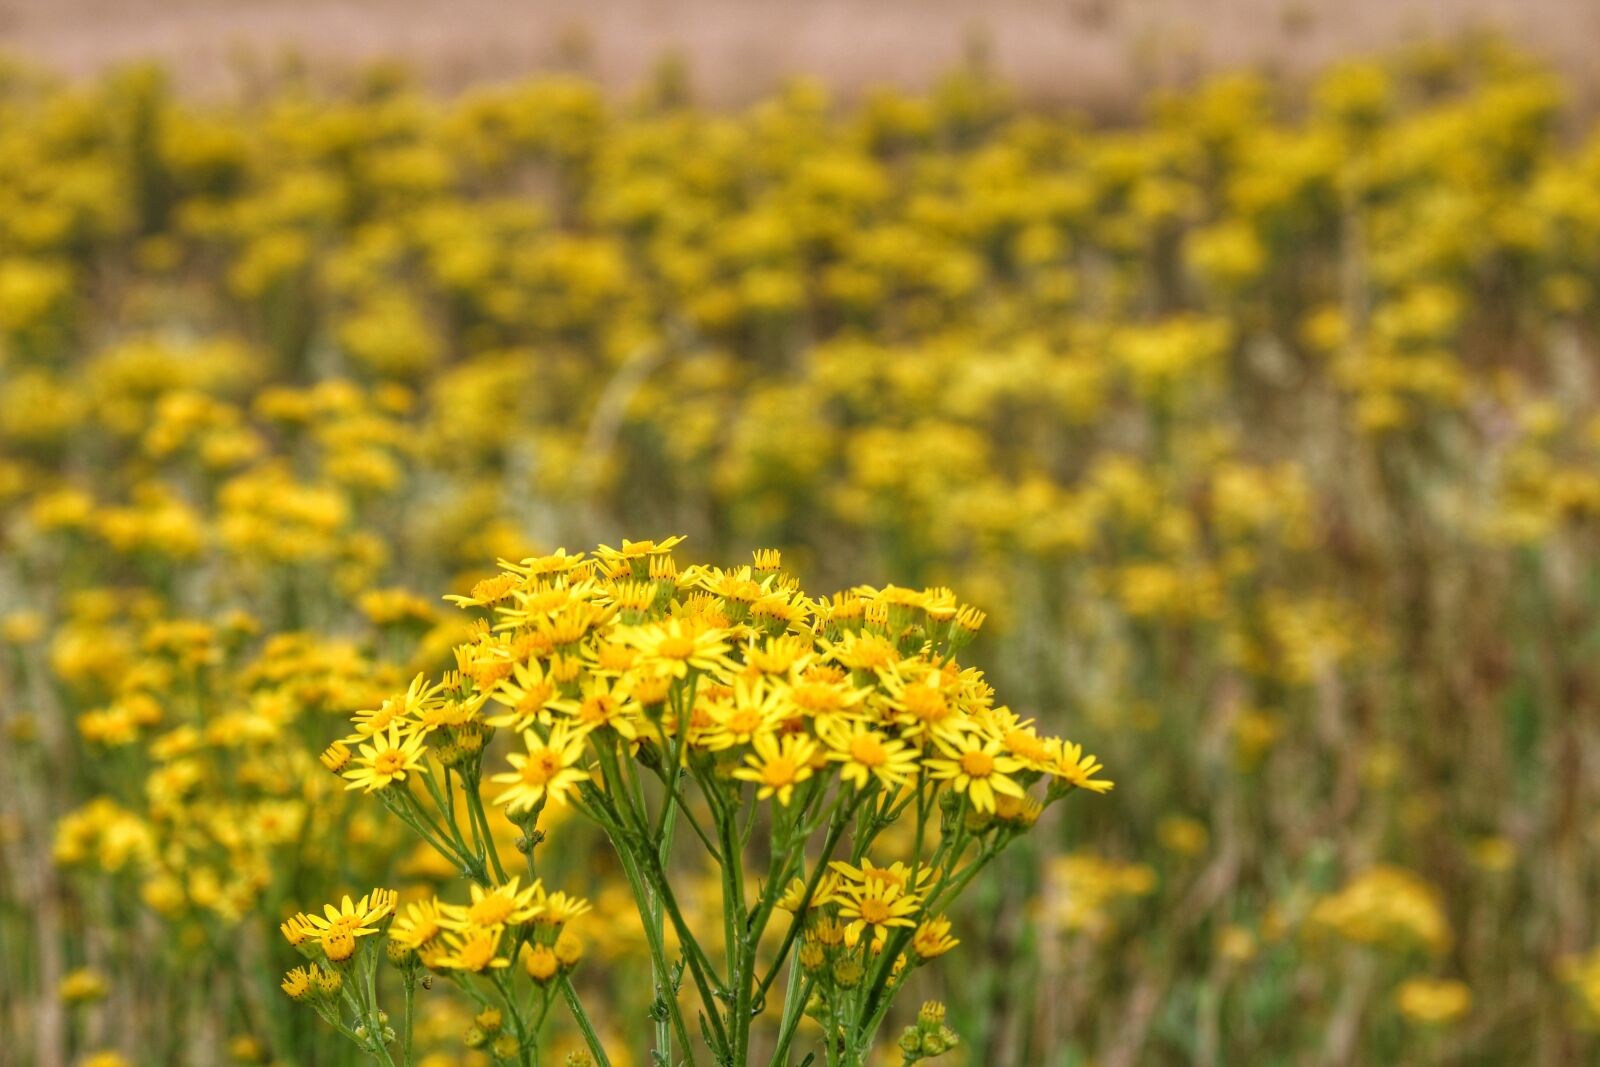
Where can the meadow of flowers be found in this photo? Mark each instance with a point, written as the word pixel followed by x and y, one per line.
pixel 1259 440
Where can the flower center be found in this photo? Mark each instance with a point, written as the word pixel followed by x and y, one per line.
pixel 391 762
pixel 540 768
pixel 744 722
pixel 869 751
pixel 875 911
pixel 779 771
pixel 676 648
pixel 477 953
pixel 926 704
pixel 492 910
pixel 977 764
pixel 597 709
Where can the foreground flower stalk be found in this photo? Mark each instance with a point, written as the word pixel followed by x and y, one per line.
pixel 829 757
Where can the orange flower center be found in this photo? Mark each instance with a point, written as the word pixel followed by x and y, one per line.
pixel 868 751
pixel 875 911
pixel 779 771
pixel 540 768
pixel 390 762
pixel 977 764
pixel 926 703
pixel 492 910
pixel 676 647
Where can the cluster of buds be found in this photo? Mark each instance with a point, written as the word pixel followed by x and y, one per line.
pixel 928 1037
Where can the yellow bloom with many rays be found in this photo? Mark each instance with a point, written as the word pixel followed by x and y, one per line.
pixel 867 753
pixel 777 766
pixel 679 646
pixel 1069 764
pixel 896 874
pixel 602 701
pixel 499 906
pixel 387 759
pixel 925 705
pixel 396 710
pixel 933 938
pixel 826 892
pixel 527 694
pixel 419 925
pixel 354 918
pixel 753 708
pixel 875 906
pixel 473 950
pixel 974 765
pixel 546 771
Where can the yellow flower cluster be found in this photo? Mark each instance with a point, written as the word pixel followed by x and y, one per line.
pixel 816 716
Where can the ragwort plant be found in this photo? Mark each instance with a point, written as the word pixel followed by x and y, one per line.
pixel 829 756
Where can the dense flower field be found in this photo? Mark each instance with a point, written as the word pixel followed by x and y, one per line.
pixel 1266 431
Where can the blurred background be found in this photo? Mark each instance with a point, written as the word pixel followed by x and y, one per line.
pixel 1237 357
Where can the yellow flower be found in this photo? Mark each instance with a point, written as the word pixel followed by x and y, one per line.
pixel 545 771
pixel 387 760
pixel 300 982
pixel 976 767
pixel 678 646
pixel 83 984
pixel 1068 764
pixel 877 906
pixel 494 908
pixel 755 708
pixel 1433 1001
pixel 420 924
pixel 474 950
pixel 778 766
pixel 352 918
pixel 933 937
pixel 528 693
pixel 867 753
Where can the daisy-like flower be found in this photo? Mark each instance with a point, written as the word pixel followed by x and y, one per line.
pixel 863 652
pixel 475 950
pixel 387 759
pixel 602 701
pixel 421 923
pixel 494 908
pixel 351 918
pixel 925 705
pixel 546 771
pixel 678 646
pixel 933 937
pixel 560 908
pixel 824 693
pixel 488 591
pixel 867 753
pixel 394 711
pixel 827 892
pixel 1067 763
pixel 635 556
pixel 777 766
pixel 528 694
pixel 780 657
pixel 875 906
pixel 975 766
pixel 896 874
pixel 754 708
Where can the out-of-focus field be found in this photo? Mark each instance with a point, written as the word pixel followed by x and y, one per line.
pixel 1099 53
pixel 1267 430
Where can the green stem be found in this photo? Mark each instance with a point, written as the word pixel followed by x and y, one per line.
pixel 582 1019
